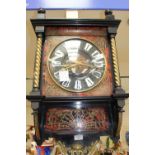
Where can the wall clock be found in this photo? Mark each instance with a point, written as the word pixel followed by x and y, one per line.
pixel 76 85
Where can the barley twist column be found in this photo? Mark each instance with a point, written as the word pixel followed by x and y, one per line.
pixel 36 83
pixel 117 82
pixel 115 62
pixel 36 80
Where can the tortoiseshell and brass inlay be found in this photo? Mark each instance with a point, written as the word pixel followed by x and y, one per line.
pixel 68 120
pixel 95 35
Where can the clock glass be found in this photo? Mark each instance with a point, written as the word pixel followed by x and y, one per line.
pixel 76 65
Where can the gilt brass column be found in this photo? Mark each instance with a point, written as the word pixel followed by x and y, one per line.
pixel 36 80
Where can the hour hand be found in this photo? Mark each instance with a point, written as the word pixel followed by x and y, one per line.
pixel 84 64
pixel 67 66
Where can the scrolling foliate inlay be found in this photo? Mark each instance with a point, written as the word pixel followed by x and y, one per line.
pixel 70 120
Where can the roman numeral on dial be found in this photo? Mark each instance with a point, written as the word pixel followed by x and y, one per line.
pixel 87 47
pixel 97 55
pixel 89 82
pixel 97 74
pixel 66 83
pixel 97 59
pixel 58 54
pixel 55 63
pixel 56 74
pixel 78 85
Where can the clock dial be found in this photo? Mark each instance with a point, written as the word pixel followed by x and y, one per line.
pixel 76 65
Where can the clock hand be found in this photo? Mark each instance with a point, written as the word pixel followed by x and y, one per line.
pixel 68 66
pixel 83 64
pixel 73 65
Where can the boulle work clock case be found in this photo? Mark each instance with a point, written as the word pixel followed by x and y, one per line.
pixel 76 95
